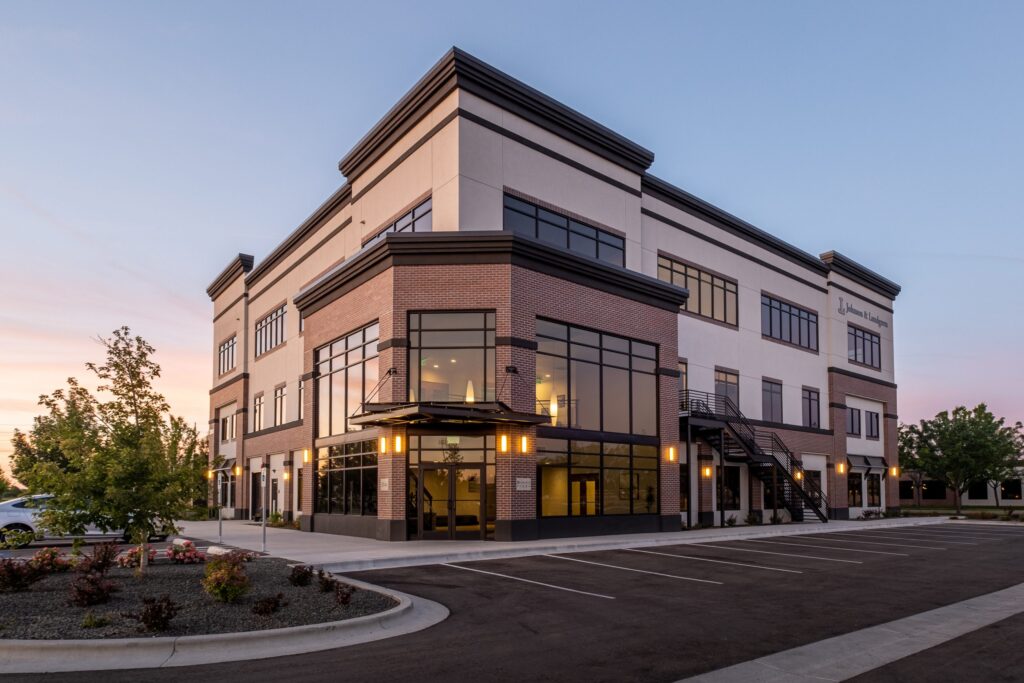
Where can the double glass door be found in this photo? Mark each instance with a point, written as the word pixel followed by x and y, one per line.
pixel 450 501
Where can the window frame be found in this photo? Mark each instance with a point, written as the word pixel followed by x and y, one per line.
pixel 861 340
pixel 693 277
pixel 771 389
pixel 790 318
pixel 853 422
pixel 257 412
pixel 280 405
pixel 489 330
pixel 325 357
pixel 341 456
pixel 546 217
pixel 227 355
pixel 810 399
pixel 872 425
pixel 269 331
pixel 420 215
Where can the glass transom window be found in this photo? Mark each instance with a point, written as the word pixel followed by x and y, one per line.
pixel 451 357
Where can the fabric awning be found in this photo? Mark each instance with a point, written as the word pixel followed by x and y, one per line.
pixel 385 414
pixel 867 462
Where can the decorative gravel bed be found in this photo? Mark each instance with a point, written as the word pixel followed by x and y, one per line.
pixel 44 613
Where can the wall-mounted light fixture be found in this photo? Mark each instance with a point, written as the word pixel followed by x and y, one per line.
pixel 841 467
pixel 305 455
pixel 523 445
pixel 286 475
pixel 799 475
pixel 209 474
pixel 671 453
pixel 383 448
pixel 894 471
pixel 237 470
pixel 706 471
pixel 398 444
pixel 503 443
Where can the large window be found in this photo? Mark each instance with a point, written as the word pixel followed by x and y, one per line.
pixel 871 430
pixel 788 323
pixel 727 384
pixel 711 296
pixel 257 413
pixel 451 357
pixel 771 401
pixel 854 490
pixel 226 355
pixel 863 347
pixel 728 484
pixel 586 478
pixel 227 427
pixel 853 422
pixel 420 219
pixel 348 372
pixel 590 380
pixel 280 405
pixel 933 489
pixel 906 490
pixel 1010 489
pixel 270 331
pixel 684 380
pixel 874 482
pixel 524 218
pixel 811 400
pixel 346 479
pixel 977 490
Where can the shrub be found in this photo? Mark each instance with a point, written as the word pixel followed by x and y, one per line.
pixel 102 558
pixel 225 578
pixel 91 620
pixel 776 518
pixel 730 520
pixel 91 588
pixel 327 582
pixel 343 593
pixel 274 518
pixel 752 518
pixel 301 575
pixel 50 561
pixel 156 613
pixel 131 558
pixel 17 576
pixel 264 607
pixel 186 553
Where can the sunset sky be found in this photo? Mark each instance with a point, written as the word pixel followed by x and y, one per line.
pixel 142 145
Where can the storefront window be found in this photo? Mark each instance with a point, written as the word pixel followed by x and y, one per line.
pixel 854 490
pixel 451 357
pixel 348 373
pixel 874 482
pixel 346 479
pixel 729 485
pixel 587 478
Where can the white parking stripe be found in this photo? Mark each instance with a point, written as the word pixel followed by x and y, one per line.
pixel 629 569
pixel 826 547
pixel 768 552
pixel 870 534
pixel 519 578
pixel 831 539
pixel 988 535
pixel 708 559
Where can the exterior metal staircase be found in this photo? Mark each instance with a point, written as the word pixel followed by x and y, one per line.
pixel 765 454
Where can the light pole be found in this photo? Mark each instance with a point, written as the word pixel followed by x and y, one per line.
pixel 220 507
pixel 264 473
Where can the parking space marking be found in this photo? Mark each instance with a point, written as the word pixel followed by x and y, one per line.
pixel 630 569
pixel 769 552
pixel 987 535
pixel 891 545
pixel 519 578
pixel 708 559
pixel 870 534
pixel 827 547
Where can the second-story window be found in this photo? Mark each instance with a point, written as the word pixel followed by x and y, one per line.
pixel 226 355
pixel 349 370
pixel 227 427
pixel 280 395
pixel 270 331
pixel 871 430
pixel 771 401
pixel 257 413
pixel 727 384
pixel 853 422
pixel 788 323
pixel 863 347
pixel 711 296
pixel 812 407
pixel 529 220
pixel 451 357
pixel 420 219
pixel 302 399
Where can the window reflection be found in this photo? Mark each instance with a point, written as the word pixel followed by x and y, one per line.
pixel 451 357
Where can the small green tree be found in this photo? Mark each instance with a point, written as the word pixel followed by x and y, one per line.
pixel 964 446
pixel 6 487
pixel 122 464
pixel 907 438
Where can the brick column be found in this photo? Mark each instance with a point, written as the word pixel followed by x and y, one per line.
pixel 516 484
pixel 705 486
pixel 391 485
pixel 668 429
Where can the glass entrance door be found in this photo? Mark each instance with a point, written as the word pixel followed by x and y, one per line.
pixel 450 501
pixel 583 494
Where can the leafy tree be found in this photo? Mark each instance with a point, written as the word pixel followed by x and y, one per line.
pixel 907 443
pixel 962 447
pixel 6 487
pixel 120 464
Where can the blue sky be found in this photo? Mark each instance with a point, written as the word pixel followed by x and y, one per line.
pixel 143 144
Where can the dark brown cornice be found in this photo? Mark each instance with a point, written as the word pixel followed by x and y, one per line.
pixel 691 204
pixel 336 201
pixel 240 265
pixel 847 267
pixel 458 69
pixel 483 247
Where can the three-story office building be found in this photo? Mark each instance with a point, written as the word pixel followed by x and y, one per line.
pixel 502 326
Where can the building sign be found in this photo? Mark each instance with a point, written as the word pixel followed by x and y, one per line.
pixel 523 484
pixel 385 484
pixel 846 307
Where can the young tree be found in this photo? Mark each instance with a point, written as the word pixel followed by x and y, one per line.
pixel 6 487
pixel 122 464
pixel 964 447
pixel 907 437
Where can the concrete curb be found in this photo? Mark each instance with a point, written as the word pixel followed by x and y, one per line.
pixel 579 545
pixel 46 656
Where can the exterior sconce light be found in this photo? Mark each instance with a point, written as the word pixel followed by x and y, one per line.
pixel 237 470
pixel 383 445
pixel 671 453
pixel 705 472
pixel 305 455
pixel 841 468
pixel 209 475
pixel 523 445
pixel 398 443
pixel 286 475
pixel 799 475
pixel 504 443
pixel 894 471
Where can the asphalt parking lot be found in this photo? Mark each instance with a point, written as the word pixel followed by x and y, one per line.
pixel 659 614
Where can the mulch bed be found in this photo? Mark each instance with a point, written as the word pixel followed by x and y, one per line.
pixel 43 612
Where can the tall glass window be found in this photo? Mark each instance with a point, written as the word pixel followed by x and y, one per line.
pixel 270 331
pixel 226 355
pixel 728 482
pixel 811 399
pixel 348 372
pixel 346 479
pixel 853 422
pixel 711 296
pixel 591 380
pixel 788 323
pixel 451 357
pixel 530 220
pixel 854 490
pixel 874 486
pixel 727 384
pixel 587 478
pixel 771 401
pixel 863 347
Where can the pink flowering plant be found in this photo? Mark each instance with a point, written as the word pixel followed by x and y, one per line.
pixel 131 558
pixel 185 553
pixel 50 560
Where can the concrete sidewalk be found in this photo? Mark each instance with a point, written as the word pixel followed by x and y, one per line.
pixel 341 554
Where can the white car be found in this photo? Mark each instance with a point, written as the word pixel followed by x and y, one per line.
pixel 22 514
